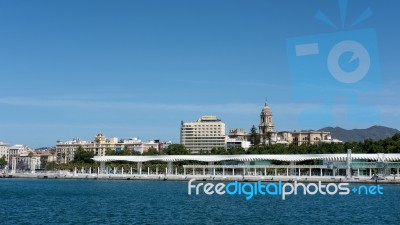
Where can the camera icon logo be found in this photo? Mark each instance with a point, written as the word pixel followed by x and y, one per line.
pixel 359 52
pixel 339 65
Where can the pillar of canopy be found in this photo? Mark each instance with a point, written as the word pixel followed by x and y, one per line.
pixel 292 167
pixel 102 167
pixel 139 168
pixel 14 165
pixel 210 169
pixel 169 167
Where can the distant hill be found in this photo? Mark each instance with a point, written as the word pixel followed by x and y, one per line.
pixel 374 132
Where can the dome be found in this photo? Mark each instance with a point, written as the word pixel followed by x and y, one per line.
pixel 266 110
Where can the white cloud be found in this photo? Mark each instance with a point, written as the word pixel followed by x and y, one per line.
pixel 226 108
pixel 229 108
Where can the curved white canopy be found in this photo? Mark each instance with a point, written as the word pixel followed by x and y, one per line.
pixel 218 158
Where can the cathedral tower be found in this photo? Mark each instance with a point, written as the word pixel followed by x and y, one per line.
pixel 266 127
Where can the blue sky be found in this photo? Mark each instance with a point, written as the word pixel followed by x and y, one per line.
pixel 137 68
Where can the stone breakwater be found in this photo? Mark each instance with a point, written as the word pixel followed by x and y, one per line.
pixel 170 177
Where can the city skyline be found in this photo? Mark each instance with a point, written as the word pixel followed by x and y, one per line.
pixel 138 69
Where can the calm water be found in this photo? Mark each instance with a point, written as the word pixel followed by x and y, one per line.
pixel 147 202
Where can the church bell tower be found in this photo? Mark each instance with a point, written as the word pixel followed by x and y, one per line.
pixel 266 127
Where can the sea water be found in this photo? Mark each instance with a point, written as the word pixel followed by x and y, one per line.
pixel 57 201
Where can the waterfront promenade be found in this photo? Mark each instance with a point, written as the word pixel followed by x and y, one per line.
pixel 382 168
pixel 180 177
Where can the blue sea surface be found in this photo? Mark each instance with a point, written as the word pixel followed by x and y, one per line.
pixel 57 201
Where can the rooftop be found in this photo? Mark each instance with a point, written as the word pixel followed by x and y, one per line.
pixel 207 118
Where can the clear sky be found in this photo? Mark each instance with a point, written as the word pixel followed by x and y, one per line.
pixel 138 68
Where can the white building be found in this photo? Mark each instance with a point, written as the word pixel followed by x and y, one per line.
pixel 329 139
pixel 232 143
pixel 203 135
pixel 16 157
pixel 4 150
pixel 29 161
pixel 65 151
pixel 268 134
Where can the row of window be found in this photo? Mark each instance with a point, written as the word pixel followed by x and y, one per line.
pixel 201 131
pixel 205 138
pixel 195 129
pixel 204 125
pixel 205 135
pixel 307 139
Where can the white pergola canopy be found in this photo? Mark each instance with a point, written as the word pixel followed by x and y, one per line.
pixel 244 158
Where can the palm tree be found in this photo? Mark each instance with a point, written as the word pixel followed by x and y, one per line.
pixel 53 153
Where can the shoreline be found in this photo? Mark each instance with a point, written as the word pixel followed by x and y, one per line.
pixel 240 178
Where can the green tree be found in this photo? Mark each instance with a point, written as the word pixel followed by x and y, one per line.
pixel 255 149
pixel 218 151
pixel 254 136
pixel 125 151
pixel 396 137
pixel 51 166
pixel 110 151
pixel 236 151
pixel 135 153
pixel 3 161
pixel 82 156
pixel 151 151
pixel 43 162
pixel 176 149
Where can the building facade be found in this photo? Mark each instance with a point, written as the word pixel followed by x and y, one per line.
pixel 16 157
pixel 4 150
pixel 232 143
pixel 266 128
pixel 29 161
pixel 305 137
pixel 238 133
pixel 65 151
pixel 206 133
pixel 268 134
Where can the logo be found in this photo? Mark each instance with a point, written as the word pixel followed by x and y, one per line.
pixel 252 189
pixel 335 68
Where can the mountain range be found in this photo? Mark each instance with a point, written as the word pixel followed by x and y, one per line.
pixel 374 133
